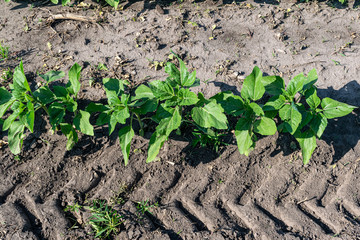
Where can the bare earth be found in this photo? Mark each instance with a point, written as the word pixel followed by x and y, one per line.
pixel 201 194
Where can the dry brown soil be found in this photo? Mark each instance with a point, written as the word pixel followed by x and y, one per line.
pixel 201 194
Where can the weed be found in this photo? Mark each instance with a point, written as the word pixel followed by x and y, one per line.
pixel 73 208
pixel 208 137
pixel 104 219
pixel 144 207
pixel 4 52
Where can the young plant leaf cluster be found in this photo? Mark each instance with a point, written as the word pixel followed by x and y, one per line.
pixel 172 106
pixel 57 102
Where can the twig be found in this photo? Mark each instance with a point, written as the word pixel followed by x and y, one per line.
pixel 69 16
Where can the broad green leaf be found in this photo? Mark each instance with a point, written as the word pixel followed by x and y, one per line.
pixel 162 112
pixel 71 105
pixel 296 84
pixel 306 116
pixel 4 107
pixel 9 120
pixel 113 3
pixel 211 115
pixel 311 98
pixel 19 80
pixel 82 123
pixel 143 92
pixel 52 76
pixel 96 107
pixel 16 136
pixel 118 116
pixel 186 98
pixel 125 136
pixel 253 88
pixel 232 104
pixel 256 109
pixel 184 73
pixel 113 98
pixel 174 74
pixel 274 103
pixel 44 95
pixel 167 125
pixel 103 118
pixel 310 80
pixel 318 124
pixel 274 85
pixel 61 92
pixel 71 135
pixel 74 78
pixel 115 85
pixel 27 117
pixel 5 96
pixel 57 113
pixel 161 90
pixel 121 114
pixel 307 142
pixel 149 105
pixel 291 116
pixel 334 109
pixel 243 136
pixel 155 144
pixel 265 126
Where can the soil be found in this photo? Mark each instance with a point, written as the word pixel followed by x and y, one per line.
pixel 200 194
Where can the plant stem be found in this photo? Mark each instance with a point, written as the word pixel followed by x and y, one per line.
pixel 141 124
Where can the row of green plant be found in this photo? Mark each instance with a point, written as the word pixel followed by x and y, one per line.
pixel 264 107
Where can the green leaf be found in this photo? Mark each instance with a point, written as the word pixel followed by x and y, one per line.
pixel 9 120
pixel 5 96
pixel 52 76
pixel 143 92
pixel 44 95
pixel 167 125
pixel 71 105
pixel 61 92
pixel 146 106
pixel 211 115
pixel 174 74
pixel 115 85
pixel 186 98
pixel 274 103
pixel 57 113
pixel 4 107
pixel 162 112
pixel 310 80
pixel 155 144
pixel 125 136
pixel 296 84
pixel 318 124
pixel 96 107
pixel 232 104
pixel 265 126
pixel 27 118
pixel 307 142
pixel 291 116
pixel 243 136
pixel 74 78
pixel 274 85
pixel 253 88
pixel 20 84
pixel 161 90
pixel 311 98
pixel 82 123
pixel 184 73
pixel 256 109
pixel 103 118
pixel 71 135
pixel 334 109
pixel 16 137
